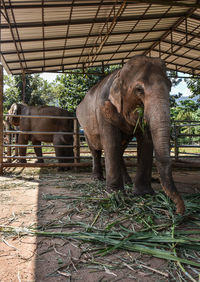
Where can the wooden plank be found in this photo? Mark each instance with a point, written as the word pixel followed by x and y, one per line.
pixel 1 119
pixel 40 132
pixel 83 164
pixel 76 142
pixel 40 116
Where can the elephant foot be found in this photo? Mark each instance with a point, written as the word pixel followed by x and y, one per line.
pixel 143 190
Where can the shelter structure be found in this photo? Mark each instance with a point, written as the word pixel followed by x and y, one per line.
pixel 61 36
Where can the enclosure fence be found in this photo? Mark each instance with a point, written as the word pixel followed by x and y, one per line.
pixel 186 136
pixel 180 148
pixel 11 147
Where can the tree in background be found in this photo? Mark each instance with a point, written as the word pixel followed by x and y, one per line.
pixel 37 91
pixel 70 89
pixel 188 108
pixel 11 92
pixel 194 85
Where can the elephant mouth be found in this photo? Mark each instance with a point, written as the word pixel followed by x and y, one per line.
pixel 135 118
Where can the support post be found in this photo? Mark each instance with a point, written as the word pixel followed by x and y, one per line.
pixel 76 142
pixel 176 149
pixel 9 149
pixel 24 87
pixel 1 119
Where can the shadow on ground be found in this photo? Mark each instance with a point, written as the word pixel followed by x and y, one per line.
pixel 60 202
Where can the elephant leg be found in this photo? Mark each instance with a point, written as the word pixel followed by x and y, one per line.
pixel 97 170
pixel 63 152
pixel 38 151
pixel 22 140
pixel 126 177
pixel 113 158
pixel 144 164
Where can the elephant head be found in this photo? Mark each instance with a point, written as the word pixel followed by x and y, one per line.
pixel 15 109
pixel 143 81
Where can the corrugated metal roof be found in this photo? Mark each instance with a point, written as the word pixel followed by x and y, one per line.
pixel 58 36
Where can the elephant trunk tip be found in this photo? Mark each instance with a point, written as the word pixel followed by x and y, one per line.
pixel 177 199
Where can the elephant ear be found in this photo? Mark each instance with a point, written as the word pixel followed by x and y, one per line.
pixel 15 109
pixel 115 93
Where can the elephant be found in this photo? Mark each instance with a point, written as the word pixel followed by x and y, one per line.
pixel 109 115
pixel 43 124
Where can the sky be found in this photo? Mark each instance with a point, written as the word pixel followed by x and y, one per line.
pixel 182 87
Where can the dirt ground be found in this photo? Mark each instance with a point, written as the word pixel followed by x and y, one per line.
pixel 23 203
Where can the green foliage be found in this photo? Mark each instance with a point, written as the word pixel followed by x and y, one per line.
pixel 11 92
pixel 173 77
pixel 173 100
pixel 37 91
pixel 70 89
pixel 187 110
pixel 194 85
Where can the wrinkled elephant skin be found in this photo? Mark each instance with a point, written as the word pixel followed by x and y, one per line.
pixel 109 116
pixel 43 124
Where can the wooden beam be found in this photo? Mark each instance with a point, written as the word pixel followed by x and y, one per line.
pixel 91 20
pixel 95 3
pixel 82 164
pixel 1 119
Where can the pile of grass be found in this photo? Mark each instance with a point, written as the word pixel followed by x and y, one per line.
pixel 147 225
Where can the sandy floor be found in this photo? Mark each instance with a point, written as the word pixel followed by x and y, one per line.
pixel 31 258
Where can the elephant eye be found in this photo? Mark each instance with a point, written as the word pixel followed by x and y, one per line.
pixel 139 89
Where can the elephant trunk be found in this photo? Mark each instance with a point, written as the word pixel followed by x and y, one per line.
pixel 158 117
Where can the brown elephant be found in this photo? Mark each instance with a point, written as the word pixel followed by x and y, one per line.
pixel 43 124
pixel 109 116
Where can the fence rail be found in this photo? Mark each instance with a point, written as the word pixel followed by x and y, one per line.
pixel 43 116
pixel 81 151
pixel 178 134
pixel 11 146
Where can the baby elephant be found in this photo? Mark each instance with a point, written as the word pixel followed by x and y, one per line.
pixel 43 125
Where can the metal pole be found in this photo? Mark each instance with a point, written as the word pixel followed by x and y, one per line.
pixel 76 142
pixel 10 140
pixel 176 149
pixel 1 119
pixel 24 87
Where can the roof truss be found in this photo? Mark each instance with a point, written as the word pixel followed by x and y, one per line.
pixel 59 36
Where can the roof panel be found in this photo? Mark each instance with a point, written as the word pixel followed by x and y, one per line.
pixel 61 35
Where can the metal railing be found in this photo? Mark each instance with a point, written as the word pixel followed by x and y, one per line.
pixel 11 146
pixel 82 155
pixel 186 135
